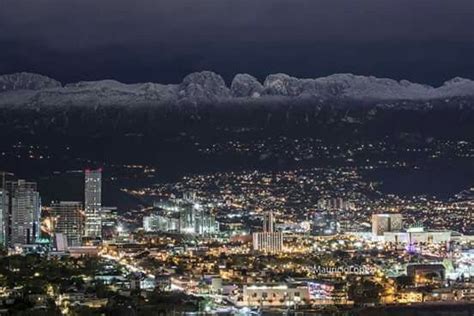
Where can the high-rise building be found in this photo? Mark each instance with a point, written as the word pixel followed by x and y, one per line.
pixel 68 220
pixel 205 223
pixel 268 240
pixel 24 209
pixel 109 222
pixel 187 219
pixel 93 204
pixel 4 207
pixel 194 219
pixel 268 221
pixel 153 223
pixel 382 223
pixel 324 224
pixel 160 223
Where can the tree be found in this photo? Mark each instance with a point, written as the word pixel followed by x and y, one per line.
pixel 404 281
pixel 365 291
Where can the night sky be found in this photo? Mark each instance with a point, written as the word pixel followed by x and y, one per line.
pixel 428 41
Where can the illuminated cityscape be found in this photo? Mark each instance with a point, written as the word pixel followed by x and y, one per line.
pixel 316 240
pixel 237 158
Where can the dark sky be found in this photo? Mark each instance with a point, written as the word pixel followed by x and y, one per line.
pixel 162 40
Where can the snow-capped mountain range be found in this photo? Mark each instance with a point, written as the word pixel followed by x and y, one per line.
pixel 21 89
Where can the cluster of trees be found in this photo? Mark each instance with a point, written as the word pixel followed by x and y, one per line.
pixel 34 275
pixel 365 291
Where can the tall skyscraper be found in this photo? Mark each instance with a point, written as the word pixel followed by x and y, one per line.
pixel 93 203
pixel 4 207
pixel 68 220
pixel 268 241
pixel 382 223
pixel 24 209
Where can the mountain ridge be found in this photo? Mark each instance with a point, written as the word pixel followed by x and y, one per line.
pixel 208 87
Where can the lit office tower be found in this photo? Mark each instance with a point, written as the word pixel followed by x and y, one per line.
pixel 268 241
pixel 24 212
pixel 268 221
pixel 3 216
pixel 93 204
pixel 68 219
pixel 4 208
pixel 109 222
pixel 382 223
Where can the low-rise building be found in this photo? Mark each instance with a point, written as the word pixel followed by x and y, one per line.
pixel 274 295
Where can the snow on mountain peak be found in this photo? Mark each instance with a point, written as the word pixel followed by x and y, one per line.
pixel 207 86
pixel 245 85
pixel 202 86
pixel 26 81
